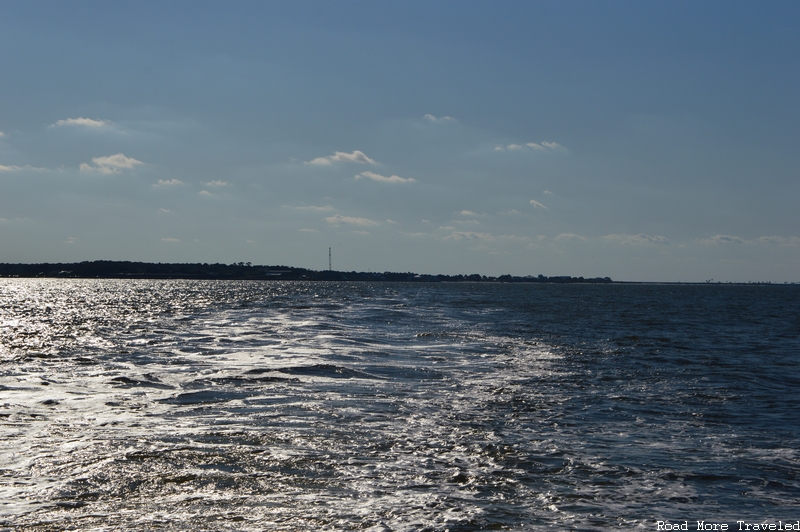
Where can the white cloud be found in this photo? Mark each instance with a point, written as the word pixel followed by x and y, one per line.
pixel 569 237
pixel 544 146
pixel 553 145
pixel 164 211
pixel 205 193
pixel 70 240
pixel 305 230
pixel 469 235
pixel 217 183
pixel 110 164
pixel 2 134
pixel 383 179
pixel 431 118
pixel 170 240
pixel 547 193
pixel 85 122
pixel 722 239
pixel 468 213
pixel 168 183
pixel 352 220
pixel 18 168
pixel 340 156
pixel 537 205
pixel 641 238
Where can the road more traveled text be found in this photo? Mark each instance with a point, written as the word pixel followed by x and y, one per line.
pixel 740 525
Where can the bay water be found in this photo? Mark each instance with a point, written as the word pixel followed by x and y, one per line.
pixel 267 405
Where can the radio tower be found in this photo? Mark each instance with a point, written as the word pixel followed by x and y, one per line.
pixel 330 268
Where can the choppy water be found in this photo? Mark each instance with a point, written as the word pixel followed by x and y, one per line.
pixel 184 405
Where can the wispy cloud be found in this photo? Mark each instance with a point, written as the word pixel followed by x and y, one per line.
pixel 722 239
pixel 542 147
pixel 641 238
pixel 205 193
pixel 468 213
pixel 384 179
pixel 547 193
pixel 780 240
pixel 19 168
pixel 306 230
pixel 168 183
pixel 351 220
pixel 313 208
pixel 217 183
pixel 83 122
pixel 111 164
pixel 170 240
pixel 469 235
pixel 2 134
pixel 431 118
pixel 340 156
pixel 569 237
pixel 537 205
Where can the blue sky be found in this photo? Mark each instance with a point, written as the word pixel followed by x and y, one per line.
pixel 637 140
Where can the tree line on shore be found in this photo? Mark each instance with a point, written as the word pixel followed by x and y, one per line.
pixel 106 269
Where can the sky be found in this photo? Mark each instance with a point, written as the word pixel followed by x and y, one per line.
pixel 643 141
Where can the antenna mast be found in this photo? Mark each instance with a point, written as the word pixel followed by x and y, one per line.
pixel 330 268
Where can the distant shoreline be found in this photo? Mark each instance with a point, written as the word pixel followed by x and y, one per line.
pixel 103 269
pixel 242 271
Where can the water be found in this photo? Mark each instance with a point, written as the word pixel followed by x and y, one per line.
pixel 189 405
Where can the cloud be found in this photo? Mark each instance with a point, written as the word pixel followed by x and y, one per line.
pixel 205 193
pixel 168 183
pixel 544 146
pixel 569 237
pixel 217 183
pixel 70 240
pixel 547 193
pixel 537 205
pixel 431 118
pixel 111 164
pixel 352 220
pixel 18 168
pixel 722 239
pixel 641 238
pixel 383 179
pixel 779 240
pixel 85 122
pixel 306 230
pixel 2 134
pixel 170 240
pixel 469 235
pixel 340 156
pixel 312 208
pixel 468 213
